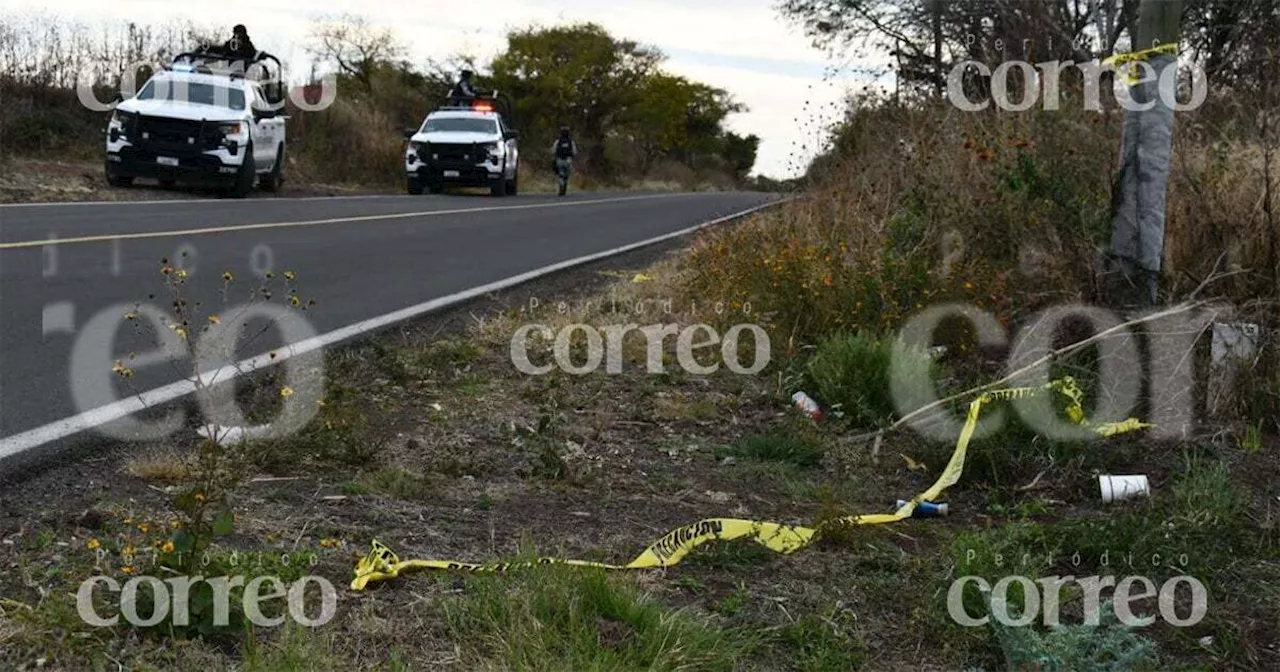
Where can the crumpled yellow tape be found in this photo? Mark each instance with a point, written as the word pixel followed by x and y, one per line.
pixel 382 563
pixel 1127 71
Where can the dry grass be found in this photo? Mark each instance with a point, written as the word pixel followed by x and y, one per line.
pixel 166 468
pixel 1008 212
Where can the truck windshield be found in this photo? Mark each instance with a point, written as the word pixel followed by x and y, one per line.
pixel 460 125
pixel 193 92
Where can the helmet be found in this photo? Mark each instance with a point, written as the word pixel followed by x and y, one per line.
pixel 239 30
pixel 564 130
pixel 466 74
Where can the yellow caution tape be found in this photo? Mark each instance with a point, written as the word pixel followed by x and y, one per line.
pixel 382 563
pixel 1126 60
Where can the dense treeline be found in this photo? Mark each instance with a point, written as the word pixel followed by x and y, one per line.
pixel 1234 46
pixel 632 119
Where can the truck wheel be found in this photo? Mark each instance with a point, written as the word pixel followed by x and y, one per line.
pixel 414 186
pixel 272 180
pixel 244 179
pixel 513 185
pixel 499 188
pixel 168 183
pixel 435 188
pixel 119 181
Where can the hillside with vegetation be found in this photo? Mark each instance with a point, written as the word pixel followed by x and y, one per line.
pixel 635 123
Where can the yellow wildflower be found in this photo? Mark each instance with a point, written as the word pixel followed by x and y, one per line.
pixel 93 544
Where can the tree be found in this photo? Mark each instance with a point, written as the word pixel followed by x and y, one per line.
pixel 576 75
pixel 356 48
pixel 919 32
pixel 740 153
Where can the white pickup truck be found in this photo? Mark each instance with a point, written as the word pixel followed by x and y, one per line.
pixel 466 146
pixel 197 123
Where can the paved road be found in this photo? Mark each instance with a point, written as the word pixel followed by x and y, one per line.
pixel 359 257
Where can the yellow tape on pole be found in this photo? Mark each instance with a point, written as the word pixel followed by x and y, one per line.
pixel 382 563
pixel 1125 61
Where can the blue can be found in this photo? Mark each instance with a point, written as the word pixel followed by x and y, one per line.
pixel 926 509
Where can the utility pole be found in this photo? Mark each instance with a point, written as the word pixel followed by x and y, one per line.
pixel 937 48
pixel 1140 189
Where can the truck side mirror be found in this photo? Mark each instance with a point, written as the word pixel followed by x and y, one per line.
pixel 409 133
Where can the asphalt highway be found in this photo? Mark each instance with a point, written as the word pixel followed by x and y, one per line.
pixel 70 272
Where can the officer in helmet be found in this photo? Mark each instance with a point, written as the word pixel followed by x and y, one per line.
pixel 239 46
pixel 464 91
pixel 563 149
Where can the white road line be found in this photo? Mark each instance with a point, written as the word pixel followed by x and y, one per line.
pixel 19 443
pixel 230 228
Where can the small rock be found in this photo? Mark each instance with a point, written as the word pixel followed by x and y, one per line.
pixel 718 497
pixel 1206 641
pixel 728 461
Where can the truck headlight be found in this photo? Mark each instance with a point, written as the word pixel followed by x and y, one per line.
pixel 233 129
pixel 117 126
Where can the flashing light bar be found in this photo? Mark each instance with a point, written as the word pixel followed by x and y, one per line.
pixel 483 107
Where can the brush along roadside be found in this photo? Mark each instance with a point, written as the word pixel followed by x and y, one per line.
pixel 382 563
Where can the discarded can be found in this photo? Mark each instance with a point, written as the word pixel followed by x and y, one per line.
pixel 925 509
pixel 1116 488
pixel 806 404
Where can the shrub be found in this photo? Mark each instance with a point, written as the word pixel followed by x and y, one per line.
pixel 851 374
pixel 778 447
pixel 1106 647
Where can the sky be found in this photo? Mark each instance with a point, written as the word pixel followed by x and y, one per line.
pixel 743 46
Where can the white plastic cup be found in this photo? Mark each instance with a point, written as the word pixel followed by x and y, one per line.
pixel 1117 488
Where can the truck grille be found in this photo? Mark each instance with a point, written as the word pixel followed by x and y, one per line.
pixel 452 153
pixel 175 135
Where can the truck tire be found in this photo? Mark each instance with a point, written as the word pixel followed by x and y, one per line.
pixel 499 188
pixel 272 180
pixel 244 178
pixel 513 185
pixel 118 181
pixel 413 186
